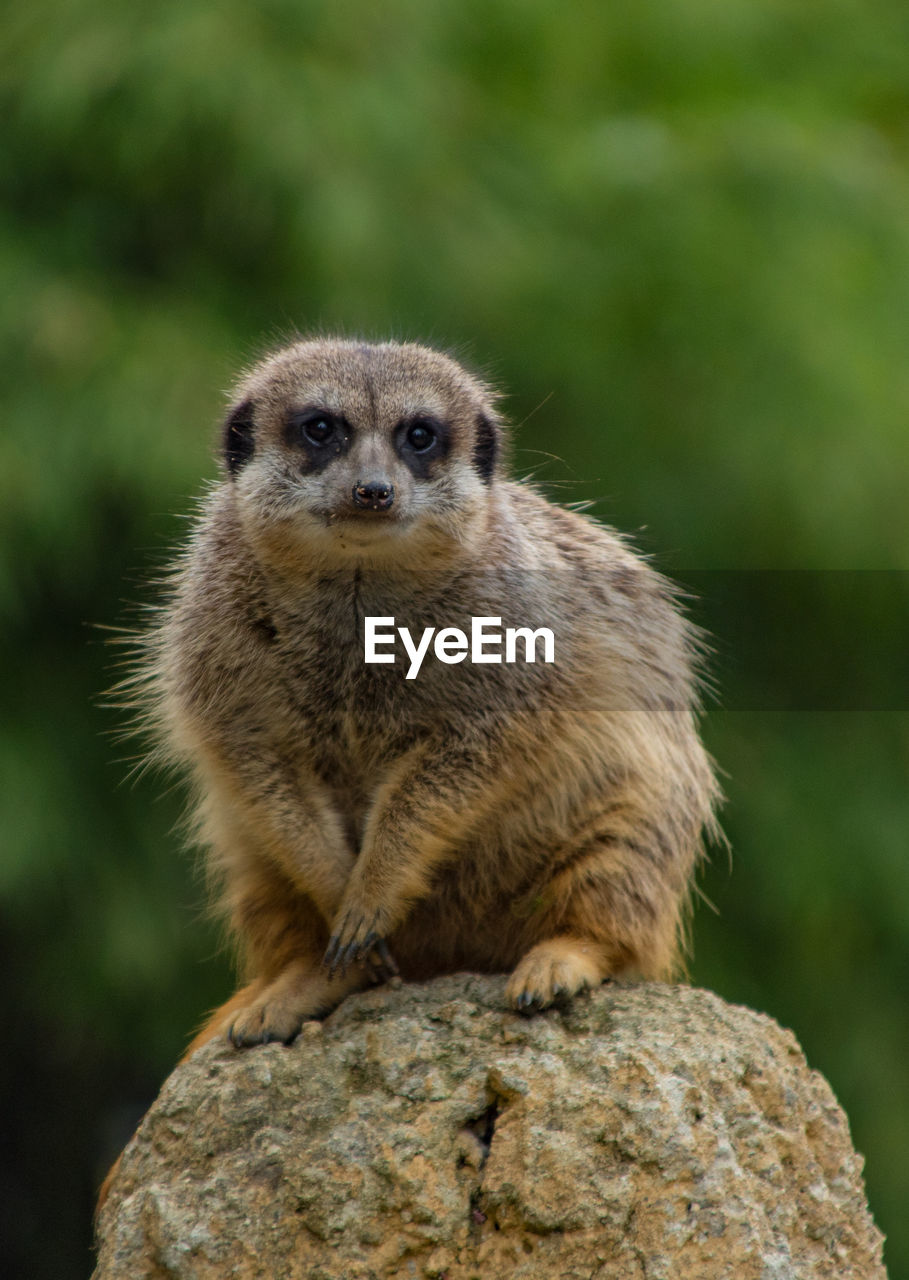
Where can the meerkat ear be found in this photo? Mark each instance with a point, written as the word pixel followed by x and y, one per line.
pixel 237 440
pixel 486 446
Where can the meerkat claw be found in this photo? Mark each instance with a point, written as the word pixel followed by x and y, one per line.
pixel 353 951
pixel 346 947
pixel 386 959
pixel 332 953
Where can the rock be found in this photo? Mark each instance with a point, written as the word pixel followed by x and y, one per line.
pixel 425 1131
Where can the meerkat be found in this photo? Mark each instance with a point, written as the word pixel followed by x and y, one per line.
pixel 538 818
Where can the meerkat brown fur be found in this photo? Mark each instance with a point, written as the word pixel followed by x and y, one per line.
pixel 539 818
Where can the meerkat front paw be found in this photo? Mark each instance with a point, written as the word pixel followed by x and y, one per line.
pixel 359 936
pixel 555 970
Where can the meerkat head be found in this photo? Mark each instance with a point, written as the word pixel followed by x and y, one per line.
pixel 354 452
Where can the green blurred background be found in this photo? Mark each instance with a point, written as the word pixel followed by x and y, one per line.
pixel 678 235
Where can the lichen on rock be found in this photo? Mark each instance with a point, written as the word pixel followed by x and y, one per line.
pixel 427 1131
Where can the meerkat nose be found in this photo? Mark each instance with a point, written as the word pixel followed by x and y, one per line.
pixel 374 495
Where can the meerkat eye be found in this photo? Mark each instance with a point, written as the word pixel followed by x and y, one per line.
pixel 315 427
pixel 422 442
pixel 421 435
pixel 319 430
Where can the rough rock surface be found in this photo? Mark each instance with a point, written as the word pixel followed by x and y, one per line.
pixel 646 1131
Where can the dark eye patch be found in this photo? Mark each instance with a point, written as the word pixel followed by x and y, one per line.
pixel 238 439
pixel 318 435
pixel 422 441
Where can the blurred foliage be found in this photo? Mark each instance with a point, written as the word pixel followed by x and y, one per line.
pixel 675 233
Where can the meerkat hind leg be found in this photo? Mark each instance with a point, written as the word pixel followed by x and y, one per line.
pixel 555 970
pixel 303 990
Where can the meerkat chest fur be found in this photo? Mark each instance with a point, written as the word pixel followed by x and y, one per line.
pixel 286 658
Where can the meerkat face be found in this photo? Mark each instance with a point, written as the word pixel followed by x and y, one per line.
pixel 353 451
